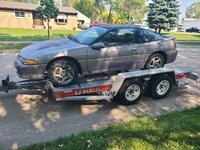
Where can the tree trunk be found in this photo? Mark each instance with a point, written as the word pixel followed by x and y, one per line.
pixel 159 31
pixel 48 29
pixel 109 15
pixel 101 14
pixel 156 30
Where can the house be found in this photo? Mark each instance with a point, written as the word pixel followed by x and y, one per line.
pixel 83 21
pixel 190 22
pixel 23 15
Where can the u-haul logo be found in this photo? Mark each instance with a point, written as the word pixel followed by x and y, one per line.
pixel 87 91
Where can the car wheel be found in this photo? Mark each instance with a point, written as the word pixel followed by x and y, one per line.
pixel 130 92
pixel 155 61
pixel 62 72
pixel 160 86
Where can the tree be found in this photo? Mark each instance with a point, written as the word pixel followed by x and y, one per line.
pixel 86 7
pixel 163 15
pixel 134 9
pixel 100 7
pixel 111 6
pixel 47 11
pixel 71 3
pixel 112 17
pixel 193 11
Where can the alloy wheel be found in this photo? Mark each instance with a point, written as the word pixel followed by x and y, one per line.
pixel 64 74
pixel 156 62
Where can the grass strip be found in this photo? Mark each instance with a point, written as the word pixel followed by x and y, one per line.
pixel 177 130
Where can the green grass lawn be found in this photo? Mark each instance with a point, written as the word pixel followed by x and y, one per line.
pixel 189 43
pixel 181 36
pixel 8 34
pixel 12 46
pixel 178 130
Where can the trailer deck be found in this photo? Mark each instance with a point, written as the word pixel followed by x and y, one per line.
pixel 126 88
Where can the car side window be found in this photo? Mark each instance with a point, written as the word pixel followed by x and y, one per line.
pixel 150 36
pixel 110 38
pixel 123 36
pixel 127 35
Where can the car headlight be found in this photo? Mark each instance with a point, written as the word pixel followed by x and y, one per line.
pixel 28 61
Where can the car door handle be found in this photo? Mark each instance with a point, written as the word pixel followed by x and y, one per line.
pixel 133 49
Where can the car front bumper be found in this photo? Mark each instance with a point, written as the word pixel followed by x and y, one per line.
pixel 31 72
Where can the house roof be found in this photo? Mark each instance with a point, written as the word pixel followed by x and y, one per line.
pixel 81 16
pixel 191 19
pixel 31 7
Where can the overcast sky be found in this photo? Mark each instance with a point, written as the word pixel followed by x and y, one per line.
pixel 184 4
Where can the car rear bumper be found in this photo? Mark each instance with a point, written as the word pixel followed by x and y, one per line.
pixel 171 56
pixel 31 72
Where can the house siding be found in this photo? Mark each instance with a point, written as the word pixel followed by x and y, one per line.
pixel 9 20
pixel 71 23
pixel 189 22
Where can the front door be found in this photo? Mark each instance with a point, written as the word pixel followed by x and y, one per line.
pixel 118 53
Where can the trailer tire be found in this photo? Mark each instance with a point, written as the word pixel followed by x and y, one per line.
pixel 130 92
pixel 160 86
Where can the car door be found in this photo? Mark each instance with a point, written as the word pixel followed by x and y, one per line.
pixel 117 53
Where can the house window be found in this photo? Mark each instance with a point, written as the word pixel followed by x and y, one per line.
pixel 20 14
pixel 61 19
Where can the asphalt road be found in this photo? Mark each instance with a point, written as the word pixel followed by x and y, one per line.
pixel 29 117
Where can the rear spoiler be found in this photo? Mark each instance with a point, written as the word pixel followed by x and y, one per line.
pixel 169 37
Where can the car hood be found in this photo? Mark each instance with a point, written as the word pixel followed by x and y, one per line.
pixel 49 46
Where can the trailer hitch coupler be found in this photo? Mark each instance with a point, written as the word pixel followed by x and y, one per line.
pixel 5 80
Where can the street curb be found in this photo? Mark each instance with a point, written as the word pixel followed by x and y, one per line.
pixel 187 41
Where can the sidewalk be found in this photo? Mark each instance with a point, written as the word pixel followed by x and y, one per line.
pixel 18 42
pixel 9 51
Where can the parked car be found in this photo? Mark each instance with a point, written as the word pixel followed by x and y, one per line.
pixel 100 49
pixel 96 23
pixel 193 29
pixel 180 29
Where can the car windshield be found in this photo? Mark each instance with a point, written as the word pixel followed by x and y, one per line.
pixel 87 37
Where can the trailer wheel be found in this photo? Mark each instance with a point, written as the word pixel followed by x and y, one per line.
pixel 130 92
pixel 160 86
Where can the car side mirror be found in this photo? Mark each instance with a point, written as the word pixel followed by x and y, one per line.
pixel 97 46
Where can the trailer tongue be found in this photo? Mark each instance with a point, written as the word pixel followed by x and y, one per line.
pixel 7 85
pixel 125 88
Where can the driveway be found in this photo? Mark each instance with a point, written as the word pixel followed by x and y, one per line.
pixel 29 117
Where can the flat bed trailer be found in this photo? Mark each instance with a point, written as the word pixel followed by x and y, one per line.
pixel 125 88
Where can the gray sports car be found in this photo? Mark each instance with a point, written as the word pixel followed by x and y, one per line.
pixel 100 49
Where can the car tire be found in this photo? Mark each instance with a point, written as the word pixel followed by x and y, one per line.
pixel 124 97
pixel 160 86
pixel 62 72
pixel 155 61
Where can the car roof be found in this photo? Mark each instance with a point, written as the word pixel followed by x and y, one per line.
pixel 115 26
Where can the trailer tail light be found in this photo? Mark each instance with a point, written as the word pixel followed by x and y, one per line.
pixel 182 76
